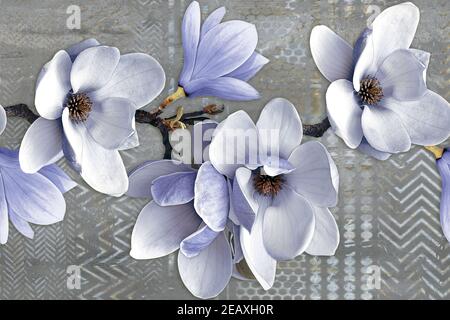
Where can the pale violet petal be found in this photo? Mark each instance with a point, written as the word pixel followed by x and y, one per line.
pixel 366 148
pixel 3 119
pixel 224 48
pixel 243 201
pixel 384 130
pixel 260 262
pixel 208 273
pixel 332 54
pixel 313 177
pixel 426 120
pixel 234 144
pixel 201 136
pixel 444 170
pixel 250 67
pixel 77 48
pixel 53 85
pixel 93 68
pixel 21 225
pixel 224 87
pixel 326 234
pixel 213 20
pixel 141 178
pixel 288 225
pixel 344 112
pixel 212 201
pixel 41 145
pixel 159 230
pixel 138 77
pixel 101 168
pixel 274 167
pixel 4 223
pixel 401 76
pixel 110 123
pixel 58 177
pixel 280 129
pixel 174 189
pixel 190 34
pixel 9 158
pixel 198 241
pixel 33 197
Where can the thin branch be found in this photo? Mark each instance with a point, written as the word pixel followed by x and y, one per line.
pixel 22 111
pixel 316 130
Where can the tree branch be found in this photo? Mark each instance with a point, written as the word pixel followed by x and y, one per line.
pixel 316 130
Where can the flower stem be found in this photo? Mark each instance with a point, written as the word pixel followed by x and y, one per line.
pixel 170 99
pixel 436 151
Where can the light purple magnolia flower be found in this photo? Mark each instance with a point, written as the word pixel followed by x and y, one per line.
pixel 29 198
pixel 87 96
pixel 219 58
pixel 189 211
pixel 443 164
pixel 280 200
pixel 378 100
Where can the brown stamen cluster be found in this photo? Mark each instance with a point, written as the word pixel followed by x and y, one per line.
pixel 79 106
pixel 267 185
pixel 370 91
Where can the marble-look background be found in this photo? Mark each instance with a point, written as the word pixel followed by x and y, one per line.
pixel 388 212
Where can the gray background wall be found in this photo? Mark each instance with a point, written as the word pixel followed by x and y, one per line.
pixel 388 212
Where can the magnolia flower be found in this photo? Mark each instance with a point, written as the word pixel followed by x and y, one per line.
pixel 87 96
pixel 443 164
pixel 219 58
pixel 29 198
pixel 189 211
pixel 281 197
pixel 378 100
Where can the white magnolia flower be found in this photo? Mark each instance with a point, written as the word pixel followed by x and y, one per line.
pixel 378 100
pixel 87 97
pixel 280 201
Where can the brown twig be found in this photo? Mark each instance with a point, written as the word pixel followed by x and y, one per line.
pixel 154 119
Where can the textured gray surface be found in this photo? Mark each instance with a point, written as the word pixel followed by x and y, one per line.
pixel 388 212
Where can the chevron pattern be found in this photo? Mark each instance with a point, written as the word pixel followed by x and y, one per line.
pixel 388 212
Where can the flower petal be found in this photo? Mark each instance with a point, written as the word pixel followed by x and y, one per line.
pixel 444 171
pixel 250 67
pixel 313 177
pixel 53 85
pixel 212 202
pixel 58 177
pixel 426 120
pixel 142 177
pixel 275 167
pixel 3 119
pixel 111 122
pixel 372 152
pixel 201 134
pixel 326 234
pixel 392 30
pixel 225 48
pixel 280 129
pixel 174 189
pixel 288 225
pixel 138 78
pixel 244 204
pixel 4 223
pixel 208 273
pixel 344 112
pixel 159 230
pixel 198 241
pixel 224 87
pixel 21 225
pixel 33 197
pixel 262 265
pixel 102 169
pixel 213 20
pixel 234 144
pixel 41 145
pixel 93 68
pixel 77 48
pixel 384 130
pixel 402 76
pixel 9 158
pixel 190 33
pixel 332 54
